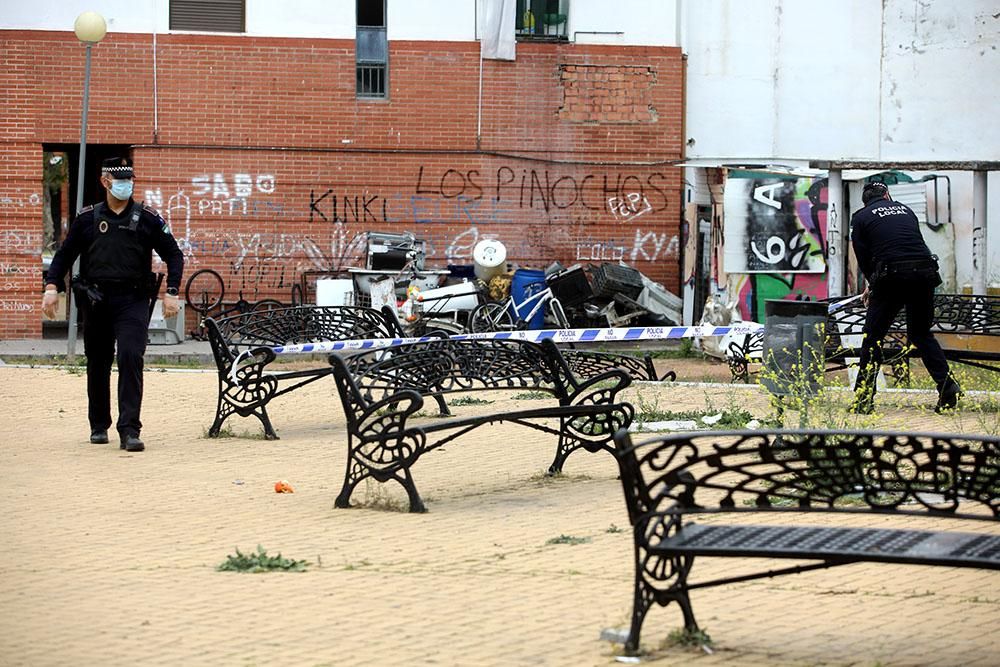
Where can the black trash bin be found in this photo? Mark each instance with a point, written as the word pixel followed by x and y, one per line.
pixel 794 339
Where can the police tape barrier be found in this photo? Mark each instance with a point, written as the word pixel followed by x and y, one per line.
pixel 621 334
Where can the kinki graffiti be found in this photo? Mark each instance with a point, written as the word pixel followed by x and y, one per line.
pixel 477 196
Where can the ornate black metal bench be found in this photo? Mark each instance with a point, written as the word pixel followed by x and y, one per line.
pixel 893 474
pixel 744 352
pixel 587 363
pixel 246 389
pixel 382 389
pixel 967 327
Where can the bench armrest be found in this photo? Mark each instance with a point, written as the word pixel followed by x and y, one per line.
pixel 601 389
pixel 388 414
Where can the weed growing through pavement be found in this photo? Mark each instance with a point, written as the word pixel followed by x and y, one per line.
pixel 469 400
pixel 531 396
pixel 377 498
pixel 688 638
pixel 546 477
pixel 731 416
pixel 261 562
pixel 568 539
pixel 685 350
pixel 358 566
pixel 979 414
pixel 613 529
pixel 228 432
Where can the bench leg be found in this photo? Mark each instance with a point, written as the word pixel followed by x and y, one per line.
pixel 443 409
pixel 416 502
pixel 357 471
pixel 569 444
pixel 646 594
pixel 265 421
pixel 222 412
pixel 238 398
pixel 565 447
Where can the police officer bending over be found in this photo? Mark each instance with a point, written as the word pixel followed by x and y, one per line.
pixel 114 240
pixel 901 271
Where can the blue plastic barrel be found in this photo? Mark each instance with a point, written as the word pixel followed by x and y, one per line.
pixel 526 283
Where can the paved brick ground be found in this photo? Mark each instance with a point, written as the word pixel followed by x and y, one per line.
pixel 110 558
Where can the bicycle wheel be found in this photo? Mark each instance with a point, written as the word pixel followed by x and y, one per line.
pixel 204 291
pixel 491 316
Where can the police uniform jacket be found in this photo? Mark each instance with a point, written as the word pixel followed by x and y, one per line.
pixel 886 232
pixel 116 249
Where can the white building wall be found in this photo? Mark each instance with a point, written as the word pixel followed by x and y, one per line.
pixel 643 22
pixel 941 81
pixel 773 81
pixel 783 79
pixel 438 20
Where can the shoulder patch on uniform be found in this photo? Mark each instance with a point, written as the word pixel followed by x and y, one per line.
pixel 87 209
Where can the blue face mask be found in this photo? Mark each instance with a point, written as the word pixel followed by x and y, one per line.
pixel 121 189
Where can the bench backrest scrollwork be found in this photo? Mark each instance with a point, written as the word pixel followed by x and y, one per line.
pixel 289 326
pixel 812 470
pixel 448 366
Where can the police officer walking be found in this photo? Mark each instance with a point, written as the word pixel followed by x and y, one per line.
pixel 115 240
pixel 901 272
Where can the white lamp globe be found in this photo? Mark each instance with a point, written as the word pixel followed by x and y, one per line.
pixel 90 27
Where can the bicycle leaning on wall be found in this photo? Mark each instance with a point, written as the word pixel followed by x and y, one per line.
pixel 204 293
pixel 508 315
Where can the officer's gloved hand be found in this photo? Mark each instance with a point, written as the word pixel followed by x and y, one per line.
pixel 171 306
pixel 49 302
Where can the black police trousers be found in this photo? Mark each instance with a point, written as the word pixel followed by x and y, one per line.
pixel 887 298
pixel 122 320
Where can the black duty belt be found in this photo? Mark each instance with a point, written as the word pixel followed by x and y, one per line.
pixel 118 286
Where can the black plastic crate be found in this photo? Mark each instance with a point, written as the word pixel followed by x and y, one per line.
pixel 611 279
pixel 571 287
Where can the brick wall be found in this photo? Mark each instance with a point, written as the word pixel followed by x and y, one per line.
pixel 265 164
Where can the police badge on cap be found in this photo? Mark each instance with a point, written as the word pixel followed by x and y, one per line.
pixel 118 167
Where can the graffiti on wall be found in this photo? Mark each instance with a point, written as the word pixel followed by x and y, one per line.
pixel 775 224
pixel 753 289
pixel 775 231
pixel 262 230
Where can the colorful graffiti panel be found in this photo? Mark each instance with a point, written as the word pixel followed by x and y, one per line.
pixel 775 223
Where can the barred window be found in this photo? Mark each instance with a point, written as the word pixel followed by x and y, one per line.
pixel 372 50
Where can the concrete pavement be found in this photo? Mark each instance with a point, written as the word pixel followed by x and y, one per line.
pixel 110 558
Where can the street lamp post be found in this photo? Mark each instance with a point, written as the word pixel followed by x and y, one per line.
pixel 90 29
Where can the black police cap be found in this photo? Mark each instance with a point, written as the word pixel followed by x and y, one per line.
pixel 118 167
pixel 872 191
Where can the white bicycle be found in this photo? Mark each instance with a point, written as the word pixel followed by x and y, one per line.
pixel 508 315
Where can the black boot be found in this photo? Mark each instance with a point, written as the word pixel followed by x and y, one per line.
pixel 132 443
pixel 949 392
